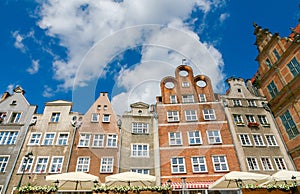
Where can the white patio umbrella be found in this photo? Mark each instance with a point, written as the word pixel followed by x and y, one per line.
pixel 236 179
pixel 130 178
pixel 73 180
pixel 284 176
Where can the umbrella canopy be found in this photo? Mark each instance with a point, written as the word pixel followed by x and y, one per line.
pixel 130 178
pixel 284 176
pixel 73 180
pixel 236 179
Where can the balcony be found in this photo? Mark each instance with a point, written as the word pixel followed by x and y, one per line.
pixel 253 124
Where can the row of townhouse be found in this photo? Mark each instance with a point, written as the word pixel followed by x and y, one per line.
pixel 191 137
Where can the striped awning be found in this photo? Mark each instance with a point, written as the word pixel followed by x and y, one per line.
pixel 192 185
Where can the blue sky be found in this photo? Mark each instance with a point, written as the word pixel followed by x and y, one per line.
pixel 74 49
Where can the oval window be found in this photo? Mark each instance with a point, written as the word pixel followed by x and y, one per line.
pixel 201 83
pixel 183 73
pixel 169 85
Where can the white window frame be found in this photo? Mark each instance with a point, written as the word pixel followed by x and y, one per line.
pixel 179 163
pixel 84 140
pixel 107 165
pixel 98 140
pixel 188 98
pixel 280 163
pixel 185 84
pixel 252 164
pixel 266 163
pixel 245 140
pixel 55 117
pixel 112 140
pixel 213 137
pixel 194 137
pixel 175 138
pixel 141 170
pixel 199 163
pixel 173 99
pixel 250 118
pixel 202 97
pixel 83 164
pixel 8 137
pixel 1 188
pixel 251 103
pixel 57 166
pixel 271 140
pixel 63 139
pixel 27 166
pixel 94 117
pixel 237 102
pixel 209 114
pixel 258 140
pixel 36 140
pixel 191 115
pixel 15 117
pixel 139 150
pixel 172 116
pixel 238 119
pixel 140 128
pixel 51 140
pixel 43 164
pixel 106 118
pixel 220 163
pixel 3 164
pixel 263 120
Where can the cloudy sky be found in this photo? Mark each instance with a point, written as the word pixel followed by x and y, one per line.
pixel 75 49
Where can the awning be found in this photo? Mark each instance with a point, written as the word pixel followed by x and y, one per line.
pixel 192 185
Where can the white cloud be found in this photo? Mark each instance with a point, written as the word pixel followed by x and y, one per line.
pixel 10 88
pixel 19 41
pixel 34 67
pixel 223 17
pixel 48 92
pixel 111 27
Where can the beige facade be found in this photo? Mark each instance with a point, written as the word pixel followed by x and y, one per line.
pixel 49 138
pixel 259 145
pixel 96 143
pixel 139 140
pixel 278 79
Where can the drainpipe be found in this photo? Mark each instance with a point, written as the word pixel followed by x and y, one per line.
pixel 119 123
pixel 76 126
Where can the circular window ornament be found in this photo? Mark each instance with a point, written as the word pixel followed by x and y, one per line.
pixel 183 73
pixel 169 85
pixel 201 83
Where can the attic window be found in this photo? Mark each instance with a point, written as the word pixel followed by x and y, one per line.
pixel 239 90
pixel 105 107
pixel 99 107
pixel 14 102
pixel 140 112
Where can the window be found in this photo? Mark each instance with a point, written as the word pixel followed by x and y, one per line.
pixel 35 139
pixel 273 91
pixel 1 188
pixel 263 120
pixel 95 117
pixel 214 137
pixel 84 140
pixel 252 103
pixel 280 164
pixel 276 54
pixel 294 67
pixel 220 163
pixel 105 107
pixel 15 117
pixel 55 117
pixel 268 62
pixel 26 165
pixel 185 84
pixel 106 118
pixel 289 125
pixel 41 164
pixel 202 97
pixel 8 137
pixel 187 98
pixel 62 139
pixel 107 165
pixel 238 119
pixel 173 99
pixel 271 140
pixel 141 171
pixel 178 165
pixel 56 164
pixel 266 163
pixel 237 102
pixel 111 140
pixel 191 115
pixel 83 164
pixel 252 163
pixel 199 164
pixel 250 118
pixel 173 116
pixel 98 140
pixel 2 116
pixel 245 141
pixel 49 139
pixel 141 128
pixel 175 138
pixel 194 137
pixel 139 150
pixel 209 114
pixel 258 140
pixel 3 163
